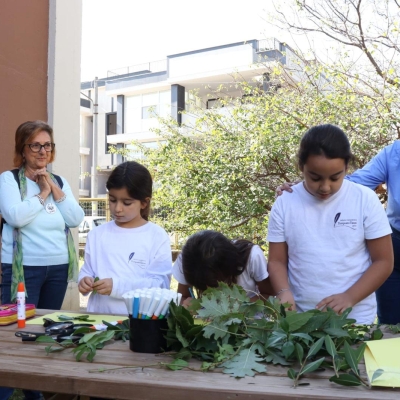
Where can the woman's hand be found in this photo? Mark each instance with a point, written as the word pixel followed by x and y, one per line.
pixel 56 191
pixel 286 187
pixel 338 302
pixel 85 285
pixel 103 286
pixel 287 297
pixel 45 188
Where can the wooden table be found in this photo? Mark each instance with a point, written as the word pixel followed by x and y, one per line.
pixel 26 365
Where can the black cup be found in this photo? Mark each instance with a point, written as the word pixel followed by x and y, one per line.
pixel 147 335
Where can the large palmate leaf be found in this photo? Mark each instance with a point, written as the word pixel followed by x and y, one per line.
pixel 246 362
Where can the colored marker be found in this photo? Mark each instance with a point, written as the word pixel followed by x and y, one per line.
pixel 164 311
pixel 161 305
pixel 191 293
pixel 153 306
pixel 141 304
pixel 147 303
pixel 135 306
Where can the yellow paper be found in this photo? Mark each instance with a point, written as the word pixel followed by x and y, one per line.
pixel 385 355
pixel 97 318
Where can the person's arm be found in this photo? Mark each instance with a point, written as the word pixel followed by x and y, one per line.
pixel 278 272
pixel 258 271
pixel 16 212
pixel 286 187
pixel 381 252
pixel 186 296
pixel 373 173
pixel 265 289
pixel 69 208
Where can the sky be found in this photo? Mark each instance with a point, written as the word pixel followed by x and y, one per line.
pixel 119 33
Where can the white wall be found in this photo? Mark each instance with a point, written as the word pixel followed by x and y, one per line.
pixel 64 61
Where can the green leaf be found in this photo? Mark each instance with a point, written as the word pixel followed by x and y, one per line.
pixel 316 347
pixel 292 374
pixel 336 332
pixel 180 337
pixel 288 349
pixel 312 366
pixel 216 328
pixel 359 352
pixel 51 349
pixel 246 363
pixel 351 358
pixel 345 380
pixel 330 346
pixel 297 320
pixel 177 364
pixel 304 336
pixel 284 325
pixel 299 352
pixel 377 373
pixel 95 280
pixel 377 334
pixel 317 321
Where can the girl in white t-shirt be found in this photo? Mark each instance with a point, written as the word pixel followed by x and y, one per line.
pixel 209 257
pixel 329 240
pixel 129 252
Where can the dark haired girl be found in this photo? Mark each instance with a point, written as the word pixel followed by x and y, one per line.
pixel 209 257
pixel 329 241
pixel 129 252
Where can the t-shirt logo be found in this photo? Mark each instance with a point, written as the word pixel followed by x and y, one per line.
pixel 344 222
pixel 337 216
pixel 130 256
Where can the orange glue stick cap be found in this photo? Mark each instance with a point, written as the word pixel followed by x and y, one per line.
pixel 21 287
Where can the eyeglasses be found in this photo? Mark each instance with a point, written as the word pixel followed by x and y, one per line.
pixel 36 147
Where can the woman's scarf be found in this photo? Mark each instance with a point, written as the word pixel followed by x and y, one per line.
pixel 17 266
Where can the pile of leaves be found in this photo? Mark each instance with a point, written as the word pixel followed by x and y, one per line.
pixel 90 342
pixel 242 337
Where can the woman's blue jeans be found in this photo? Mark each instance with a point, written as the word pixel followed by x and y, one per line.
pixel 46 287
pixel 388 295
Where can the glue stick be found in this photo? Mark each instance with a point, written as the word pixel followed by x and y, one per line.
pixel 21 305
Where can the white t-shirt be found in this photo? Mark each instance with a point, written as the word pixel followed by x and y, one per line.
pixel 327 251
pixel 256 271
pixel 134 258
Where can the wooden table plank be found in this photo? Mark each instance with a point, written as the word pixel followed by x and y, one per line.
pixel 25 365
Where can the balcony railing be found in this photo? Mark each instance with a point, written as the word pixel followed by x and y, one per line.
pixel 139 69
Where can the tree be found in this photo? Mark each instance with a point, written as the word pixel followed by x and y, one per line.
pixel 221 172
pixel 370 26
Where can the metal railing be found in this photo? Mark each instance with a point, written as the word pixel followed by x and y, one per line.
pixel 144 68
pixel 95 207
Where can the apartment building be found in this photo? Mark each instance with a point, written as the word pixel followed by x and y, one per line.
pixel 130 98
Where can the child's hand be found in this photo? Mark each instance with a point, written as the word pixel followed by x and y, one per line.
pixel 186 303
pixel 287 297
pixel 103 286
pixel 85 285
pixel 338 302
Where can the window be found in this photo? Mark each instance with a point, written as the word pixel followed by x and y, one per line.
pixel 149 111
pixel 111 128
pixel 214 103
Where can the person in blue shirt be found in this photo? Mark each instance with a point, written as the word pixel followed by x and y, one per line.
pixel 383 168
